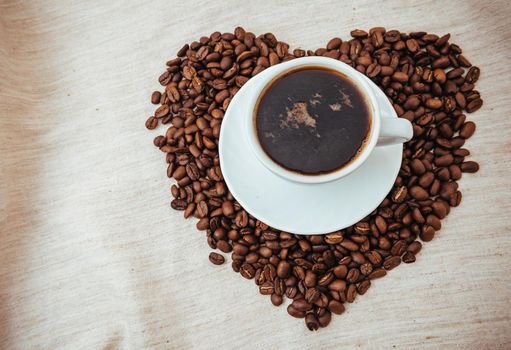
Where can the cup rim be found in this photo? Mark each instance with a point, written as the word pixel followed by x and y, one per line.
pixel 323 62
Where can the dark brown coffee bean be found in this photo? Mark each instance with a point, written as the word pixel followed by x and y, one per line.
pixel 447 189
pixel 467 130
pixel 419 193
pixel 400 77
pixel 442 62
pixel 440 209
pixel 216 258
pixel 444 160
pixel 363 287
pixel 337 285
pixel 398 248
pixel 415 247
pixel 334 43
pixel 434 103
pixel 266 288
pixel 381 224
pixel 283 269
pixel 240 249
pixel 162 111
pixel 361 228
pixel 276 299
pixel 227 208
pixel 472 75
pixel 391 262
pixel 247 271
pixel 455 199
pixel 469 167
pixel 294 312
pixel 155 97
pixel 366 269
pixel 203 224
pixel 373 70
pixel 190 208
pixel 374 257
pixel 340 271
pixel 455 172
pixel 409 257
pixel 151 123
pixel 326 279
pixel 351 293
pixel 311 321
pixel 324 318
pixel 427 233
pixel 474 105
pixel 426 180
pixel 418 167
pixel 202 209
pixel 399 194
pixel 336 307
pixel 312 295
pixel 178 204
pixel 353 275
pixel 359 33
pixel 349 245
pixel 377 273
pixel 224 246
pixel 160 141
pixel 310 279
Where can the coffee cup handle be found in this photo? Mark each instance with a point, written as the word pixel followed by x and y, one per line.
pixel 394 131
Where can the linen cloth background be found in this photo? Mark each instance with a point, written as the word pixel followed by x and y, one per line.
pixel 92 256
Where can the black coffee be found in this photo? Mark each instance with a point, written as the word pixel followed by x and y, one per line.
pixel 312 120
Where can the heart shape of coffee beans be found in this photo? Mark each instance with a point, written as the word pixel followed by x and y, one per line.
pixel 428 81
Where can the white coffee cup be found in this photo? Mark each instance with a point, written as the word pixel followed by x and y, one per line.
pixel 385 129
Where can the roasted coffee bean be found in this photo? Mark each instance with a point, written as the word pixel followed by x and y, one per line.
pixel 325 318
pixel 283 269
pixel 408 258
pixel 334 238
pixel 469 167
pixel 312 322
pixel 378 273
pixel 276 299
pixel 312 295
pixel 474 105
pixel 467 130
pixel 349 245
pixel 178 204
pixel 326 279
pixel 266 288
pixel 351 293
pixel 424 77
pixel 151 123
pixel 294 312
pixel 363 287
pixel 340 271
pixel 216 258
pixel 391 262
pixel 472 75
pixel 419 193
pixel 427 233
pixel 247 271
pixel 353 275
pixel 310 278
pixel 415 247
pixel 336 307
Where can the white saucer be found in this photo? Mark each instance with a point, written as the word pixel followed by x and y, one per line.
pixel 298 207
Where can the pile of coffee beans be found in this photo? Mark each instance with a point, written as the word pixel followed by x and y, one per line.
pixel 429 82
